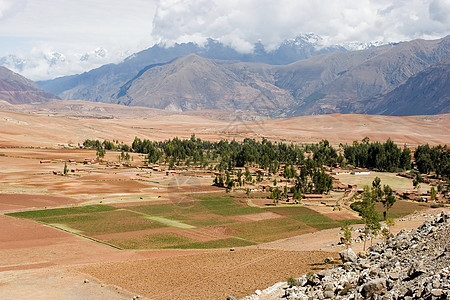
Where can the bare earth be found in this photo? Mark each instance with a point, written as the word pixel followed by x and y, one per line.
pixel 18 129
pixel 53 263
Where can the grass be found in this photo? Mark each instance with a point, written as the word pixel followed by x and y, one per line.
pixel 152 241
pixel 270 230
pixel 35 214
pixel 396 182
pixel 103 222
pixel 400 208
pixel 223 243
pixel 169 222
pixel 202 221
pixel 318 221
pixel 226 206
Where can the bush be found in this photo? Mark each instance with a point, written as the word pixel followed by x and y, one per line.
pixel 292 281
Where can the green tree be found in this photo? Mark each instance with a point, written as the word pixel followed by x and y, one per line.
pixel 248 177
pixel 100 152
pixel 433 193
pixel 347 236
pixel 370 216
pixel 388 200
pixel 65 169
pixel 275 195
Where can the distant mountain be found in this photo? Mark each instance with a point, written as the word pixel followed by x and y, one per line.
pixel 217 77
pixel 16 89
pixel 194 82
pixel 99 84
pixel 382 72
pixel 339 82
pixel 425 93
pixel 42 65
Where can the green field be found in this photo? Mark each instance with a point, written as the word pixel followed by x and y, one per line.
pixel 143 222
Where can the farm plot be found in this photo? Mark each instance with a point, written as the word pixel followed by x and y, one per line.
pixel 212 221
pixel 396 182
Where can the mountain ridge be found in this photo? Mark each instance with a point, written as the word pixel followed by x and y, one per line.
pixel 16 89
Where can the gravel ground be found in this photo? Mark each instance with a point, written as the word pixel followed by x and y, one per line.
pixel 213 275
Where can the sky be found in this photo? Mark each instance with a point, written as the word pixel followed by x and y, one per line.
pixel 89 33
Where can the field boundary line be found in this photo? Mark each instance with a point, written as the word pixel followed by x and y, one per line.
pixel 81 235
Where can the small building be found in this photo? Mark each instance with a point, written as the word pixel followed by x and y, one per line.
pixel 340 172
pixel 262 172
pixel 171 172
pixel 360 172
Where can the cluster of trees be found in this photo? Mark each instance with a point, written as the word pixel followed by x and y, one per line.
pixel 435 159
pixel 228 155
pixel 371 195
pixel 382 156
pixel 366 207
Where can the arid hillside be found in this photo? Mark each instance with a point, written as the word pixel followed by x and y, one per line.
pixel 23 130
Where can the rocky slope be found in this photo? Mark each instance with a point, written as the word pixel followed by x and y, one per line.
pixel 100 83
pixel 409 265
pixel 194 82
pixel 423 93
pixel 340 82
pixel 16 89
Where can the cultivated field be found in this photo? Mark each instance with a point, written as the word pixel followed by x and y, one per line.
pixel 120 226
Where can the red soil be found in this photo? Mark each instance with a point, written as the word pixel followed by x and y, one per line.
pixel 11 202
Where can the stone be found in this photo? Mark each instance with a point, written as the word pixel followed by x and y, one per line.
pixel 417 268
pixel 328 294
pixel 436 292
pixel 363 254
pixel 374 287
pixel 231 298
pixel 394 276
pixel 348 255
pixel 389 253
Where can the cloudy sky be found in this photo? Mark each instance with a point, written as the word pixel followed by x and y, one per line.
pixel 109 30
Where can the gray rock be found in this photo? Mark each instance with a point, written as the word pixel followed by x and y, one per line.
pixel 437 292
pixel 348 255
pixel 328 294
pixel 417 268
pixel 374 287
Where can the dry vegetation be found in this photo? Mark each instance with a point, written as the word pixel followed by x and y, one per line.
pixel 50 221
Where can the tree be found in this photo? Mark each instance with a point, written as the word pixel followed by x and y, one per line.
pixel 417 180
pixel 369 215
pixel 377 192
pixel 347 237
pixel 100 152
pixel 433 193
pixel 239 177
pixel 386 231
pixel 248 177
pixel 65 168
pixel 388 200
pixel 275 195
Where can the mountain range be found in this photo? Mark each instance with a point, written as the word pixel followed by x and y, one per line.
pixel 298 78
pixel 16 89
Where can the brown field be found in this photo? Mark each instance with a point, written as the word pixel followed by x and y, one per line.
pixel 54 259
pixel 46 131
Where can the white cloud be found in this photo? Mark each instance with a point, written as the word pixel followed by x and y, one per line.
pixel 33 29
pixel 241 23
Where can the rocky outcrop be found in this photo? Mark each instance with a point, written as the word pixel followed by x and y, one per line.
pixel 409 265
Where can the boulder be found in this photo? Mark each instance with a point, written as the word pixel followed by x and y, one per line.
pixel 348 255
pixel 417 268
pixel 374 287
